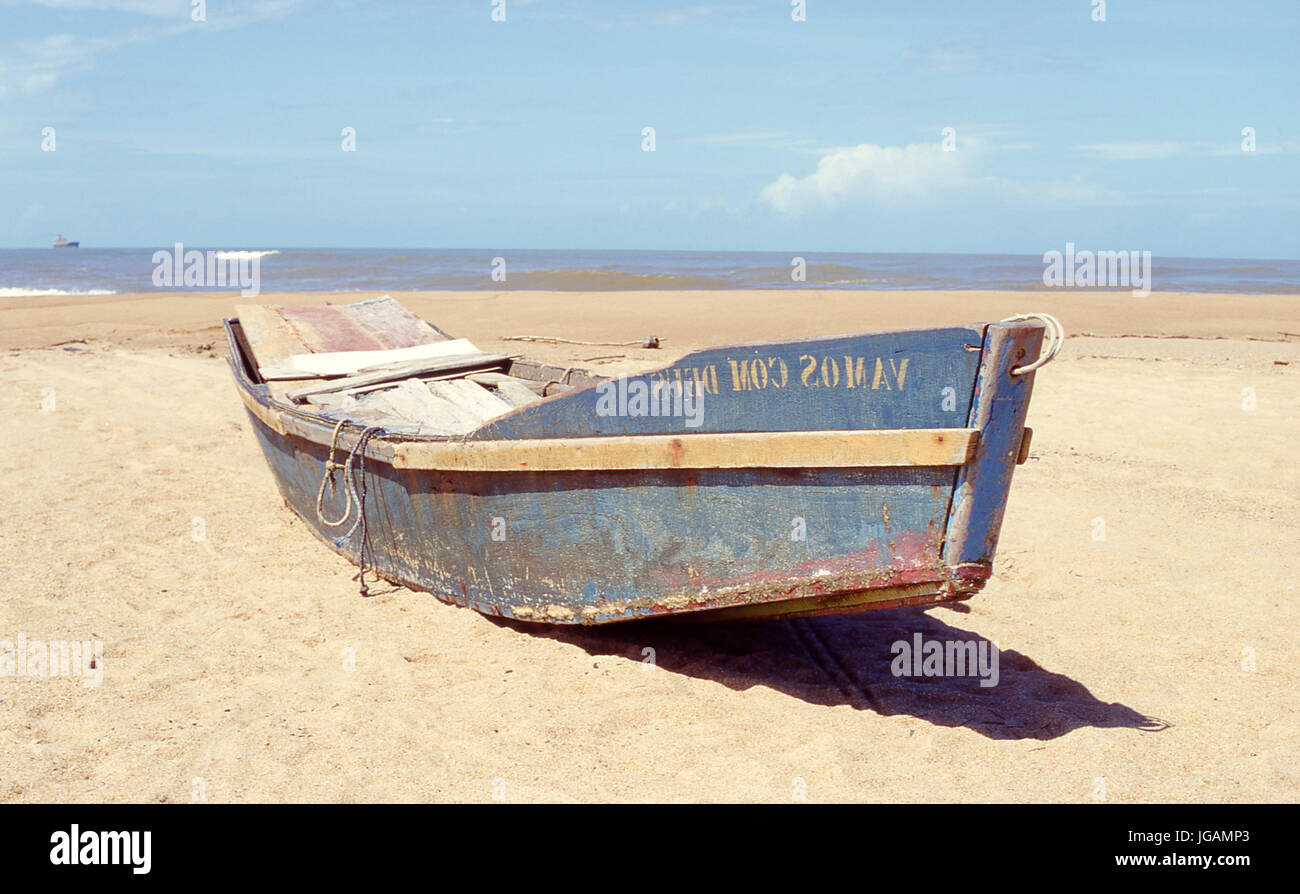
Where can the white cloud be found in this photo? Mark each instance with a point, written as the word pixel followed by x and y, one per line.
pixel 168 8
pixel 1144 150
pixel 869 172
pixel 1137 150
pixel 35 65
pixel 889 176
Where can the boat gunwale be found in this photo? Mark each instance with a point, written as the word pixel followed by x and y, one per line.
pixel 798 449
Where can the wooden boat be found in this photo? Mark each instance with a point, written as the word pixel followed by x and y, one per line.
pixel 819 475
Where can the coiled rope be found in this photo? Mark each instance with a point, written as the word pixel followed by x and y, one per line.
pixel 351 494
pixel 330 468
pixel 1055 332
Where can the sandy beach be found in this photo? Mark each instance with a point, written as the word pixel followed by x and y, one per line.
pixel 240 664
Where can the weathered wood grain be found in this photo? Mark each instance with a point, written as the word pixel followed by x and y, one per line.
pixel 462 362
pixel 411 401
pixel 346 363
pixel 391 324
pixel 751 450
pixel 516 392
pixel 474 398
pixel 327 329
pixel 270 337
pixel 998 411
pixel 495 379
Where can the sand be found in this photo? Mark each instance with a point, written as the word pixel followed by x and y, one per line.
pixel 1156 664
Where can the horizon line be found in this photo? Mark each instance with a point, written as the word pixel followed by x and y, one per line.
pixel 753 251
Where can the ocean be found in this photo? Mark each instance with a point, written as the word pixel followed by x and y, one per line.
pixel 52 271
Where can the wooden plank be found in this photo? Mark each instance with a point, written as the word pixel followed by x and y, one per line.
pixel 545 372
pixel 391 324
pixel 363 415
pixel 402 371
pixel 494 380
pixel 280 391
pixel 431 377
pixel 327 328
pixel 271 339
pixel 749 450
pixel 398 409
pixel 347 363
pixel 370 325
pixel 473 398
pixel 999 409
pixel 1022 455
pixel 515 392
pixel 878 448
pixel 412 401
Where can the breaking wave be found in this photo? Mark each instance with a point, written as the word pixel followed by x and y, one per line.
pixel 21 292
pixel 245 255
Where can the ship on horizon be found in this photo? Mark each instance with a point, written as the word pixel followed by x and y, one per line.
pixel 60 242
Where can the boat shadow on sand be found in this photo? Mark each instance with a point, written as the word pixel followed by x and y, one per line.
pixel 846 660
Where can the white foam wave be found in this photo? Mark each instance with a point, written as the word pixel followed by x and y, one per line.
pixel 21 292
pixel 245 255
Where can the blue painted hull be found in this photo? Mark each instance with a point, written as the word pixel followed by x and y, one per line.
pixel 592 547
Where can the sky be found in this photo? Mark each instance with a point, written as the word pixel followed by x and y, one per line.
pixel 826 134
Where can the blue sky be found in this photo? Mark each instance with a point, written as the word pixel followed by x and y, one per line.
pixel 770 134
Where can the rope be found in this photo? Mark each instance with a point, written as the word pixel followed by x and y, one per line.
pixel 359 449
pixel 350 493
pixel 330 468
pixel 1055 331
